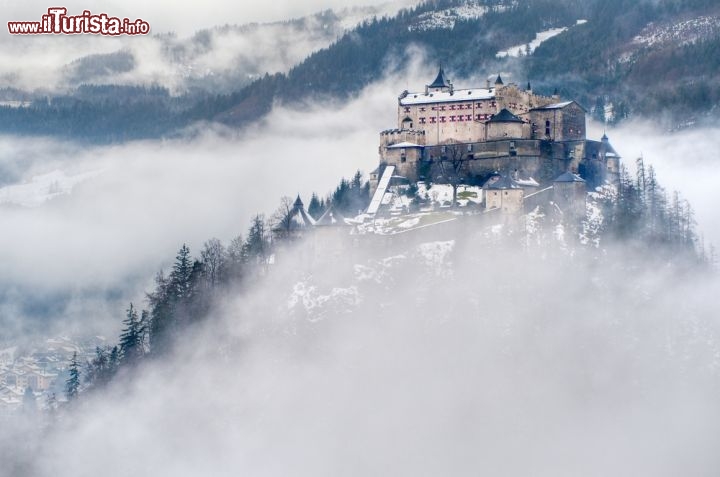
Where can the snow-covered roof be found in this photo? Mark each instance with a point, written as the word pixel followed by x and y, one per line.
pixel 501 182
pixel 331 217
pixel 529 182
pixel 504 182
pixel 446 96
pixel 569 177
pixel 403 144
pixel 559 105
pixel 555 105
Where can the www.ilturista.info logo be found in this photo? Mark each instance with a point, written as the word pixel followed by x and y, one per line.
pixel 57 22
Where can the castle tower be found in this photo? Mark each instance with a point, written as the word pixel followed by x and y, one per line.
pixel 611 159
pixel 569 193
pixel 441 83
pixel 503 125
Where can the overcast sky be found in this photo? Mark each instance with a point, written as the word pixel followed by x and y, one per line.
pixel 165 16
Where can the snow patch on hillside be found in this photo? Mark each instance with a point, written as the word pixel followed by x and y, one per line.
pixel 313 303
pixel 680 33
pixel 447 18
pixel 43 188
pixel 529 48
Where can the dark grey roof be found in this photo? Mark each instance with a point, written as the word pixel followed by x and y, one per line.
pixel 298 217
pixel 505 116
pixel 501 182
pixel 569 177
pixel 440 81
pixel 331 218
pixel 499 80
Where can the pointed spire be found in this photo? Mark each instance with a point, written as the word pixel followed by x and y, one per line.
pixel 440 81
pixel 298 203
pixel 529 88
pixel 499 80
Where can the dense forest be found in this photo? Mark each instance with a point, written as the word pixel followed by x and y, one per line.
pixel 595 63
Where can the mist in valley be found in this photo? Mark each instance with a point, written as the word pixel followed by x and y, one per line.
pixel 436 356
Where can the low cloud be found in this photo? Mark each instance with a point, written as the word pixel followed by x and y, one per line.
pixel 174 55
pixel 142 200
pixel 683 161
pixel 495 361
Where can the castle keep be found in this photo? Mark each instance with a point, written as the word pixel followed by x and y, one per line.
pixel 473 133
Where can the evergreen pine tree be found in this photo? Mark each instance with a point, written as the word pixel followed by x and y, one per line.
pixel 97 370
pixel 181 275
pixel 162 322
pixel 72 385
pixel 257 245
pixel 131 338
pixel 315 207
pixel 113 361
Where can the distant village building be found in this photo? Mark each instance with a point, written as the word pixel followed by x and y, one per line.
pixel 496 128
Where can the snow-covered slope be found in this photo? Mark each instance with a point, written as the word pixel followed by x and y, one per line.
pixel 42 188
pixel 679 33
pixel 446 18
pixel 529 48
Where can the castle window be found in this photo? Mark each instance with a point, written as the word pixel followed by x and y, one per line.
pixel 432 119
pixel 479 117
pixel 403 158
pixel 461 118
pixel 422 120
pixel 442 108
pixel 452 119
pixel 442 119
pixel 469 147
pixel 443 149
pixel 422 109
pixel 452 107
pixel 469 117
pixel 407 109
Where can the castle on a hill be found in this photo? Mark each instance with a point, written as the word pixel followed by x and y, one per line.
pixel 471 134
